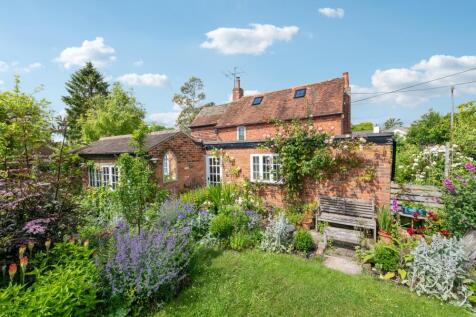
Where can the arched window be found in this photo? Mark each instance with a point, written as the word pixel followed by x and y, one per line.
pixel 169 167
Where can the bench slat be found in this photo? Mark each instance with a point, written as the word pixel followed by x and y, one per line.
pixel 347 220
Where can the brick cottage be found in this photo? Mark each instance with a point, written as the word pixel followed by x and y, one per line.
pixel 238 130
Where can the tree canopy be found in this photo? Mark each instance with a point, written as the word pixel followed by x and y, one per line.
pixel 363 126
pixel 431 128
pixel 84 85
pixel 392 123
pixel 115 114
pixel 189 99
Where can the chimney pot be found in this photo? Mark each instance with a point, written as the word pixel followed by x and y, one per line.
pixel 345 76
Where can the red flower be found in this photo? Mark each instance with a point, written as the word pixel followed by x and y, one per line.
pixel 12 270
pixel 422 229
pixel 432 216
pixel 23 262
pixel 411 231
pixel 444 233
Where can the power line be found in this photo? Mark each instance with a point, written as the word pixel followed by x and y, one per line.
pixel 415 85
pixel 421 89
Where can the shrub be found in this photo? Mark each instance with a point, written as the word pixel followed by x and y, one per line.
pixel 222 226
pixel 240 241
pixel 302 241
pixel 386 257
pixel 276 235
pixel 67 288
pixel 195 197
pixel 146 265
pixel 438 269
pixel 460 201
pixel 385 219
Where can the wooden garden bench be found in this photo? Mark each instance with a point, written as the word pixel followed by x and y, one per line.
pixel 349 212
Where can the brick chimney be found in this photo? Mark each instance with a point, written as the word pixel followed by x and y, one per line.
pixel 237 90
pixel 345 76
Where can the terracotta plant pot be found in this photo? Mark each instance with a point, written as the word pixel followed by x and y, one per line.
pixel 385 237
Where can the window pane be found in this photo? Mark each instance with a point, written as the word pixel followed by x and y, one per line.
pixel 255 168
pixel 267 166
pixel 105 175
pixel 276 168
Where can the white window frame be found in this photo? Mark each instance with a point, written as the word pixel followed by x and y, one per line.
pixel 165 165
pixel 238 132
pixel 96 175
pixel 272 177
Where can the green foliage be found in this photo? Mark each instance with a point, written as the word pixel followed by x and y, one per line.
pixel 302 241
pixel 307 152
pixel 25 127
pixel 222 226
pixel 84 85
pixel 363 126
pixel 392 123
pixel 65 285
pixel 460 202
pixel 117 113
pixel 432 128
pixel 190 96
pixel 386 257
pixel 136 190
pixel 465 129
pixel 195 197
pixel 240 241
pixel 385 219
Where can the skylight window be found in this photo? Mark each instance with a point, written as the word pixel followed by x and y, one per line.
pixel 299 93
pixel 257 100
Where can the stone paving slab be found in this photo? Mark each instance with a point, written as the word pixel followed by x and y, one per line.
pixel 343 264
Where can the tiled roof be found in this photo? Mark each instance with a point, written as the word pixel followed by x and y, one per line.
pixel 120 144
pixel 208 116
pixel 321 99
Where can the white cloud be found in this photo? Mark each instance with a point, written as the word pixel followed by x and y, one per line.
pixel 32 67
pixel 254 40
pixel 332 13
pixel 138 63
pixel 245 93
pixel 134 79
pixel 165 118
pixel 427 69
pixel 2 82
pixel 94 51
pixel 4 66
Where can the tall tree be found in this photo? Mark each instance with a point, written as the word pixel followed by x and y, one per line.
pixel 392 123
pixel 189 99
pixel 431 128
pixel 85 84
pixel 115 114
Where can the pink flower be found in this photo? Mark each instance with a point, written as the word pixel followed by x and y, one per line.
pixel 449 186
pixel 470 167
pixel 394 204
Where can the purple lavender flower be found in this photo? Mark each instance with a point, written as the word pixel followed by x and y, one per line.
pixel 449 186
pixel 394 204
pixel 181 216
pixel 470 167
pixel 37 226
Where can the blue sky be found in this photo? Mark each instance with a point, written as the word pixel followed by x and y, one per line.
pixel 154 46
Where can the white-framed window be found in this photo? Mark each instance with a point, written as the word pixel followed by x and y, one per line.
pixel 103 175
pixel 165 164
pixel 241 133
pixel 265 168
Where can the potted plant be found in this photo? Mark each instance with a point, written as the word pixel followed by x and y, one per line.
pixel 385 223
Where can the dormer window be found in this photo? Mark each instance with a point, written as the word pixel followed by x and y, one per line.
pixel 241 133
pixel 299 93
pixel 257 100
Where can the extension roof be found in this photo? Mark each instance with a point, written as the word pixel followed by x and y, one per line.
pixel 119 144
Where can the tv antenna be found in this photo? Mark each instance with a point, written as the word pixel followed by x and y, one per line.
pixel 232 74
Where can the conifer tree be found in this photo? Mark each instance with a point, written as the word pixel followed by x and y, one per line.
pixel 85 84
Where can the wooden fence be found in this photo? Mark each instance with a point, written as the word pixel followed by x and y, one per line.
pixel 429 196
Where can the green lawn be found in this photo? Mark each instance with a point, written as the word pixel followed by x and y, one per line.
pixel 260 284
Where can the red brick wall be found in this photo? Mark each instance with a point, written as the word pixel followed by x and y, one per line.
pixel 190 163
pixel 204 133
pixel 377 156
pixel 332 124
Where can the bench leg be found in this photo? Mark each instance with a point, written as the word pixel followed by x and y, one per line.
pixel 375 234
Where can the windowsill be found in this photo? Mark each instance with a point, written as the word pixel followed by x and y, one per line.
pixel 267 182
pixel 166 181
